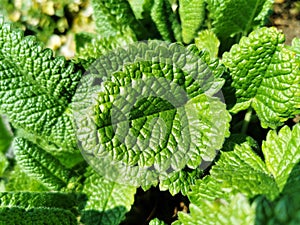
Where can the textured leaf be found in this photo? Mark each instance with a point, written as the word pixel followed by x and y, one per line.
pixel 165 20
pixel 20 181
pixel 165 106
pixel 157 222
pixel 180 181
pixel 42 165
pixel 49 216
pixel 192 15
pixel 238 171
pixel 28 200
pixel 99 46
pixel 231 17
pixel 107 202
pixel 265 76
pixel 115 17
pixel 5 136
pixel 207 40
pixel 36 88
pixel 235 211
pixel 241 171
pixel 282 153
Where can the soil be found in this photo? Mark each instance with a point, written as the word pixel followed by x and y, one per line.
pixel 286 17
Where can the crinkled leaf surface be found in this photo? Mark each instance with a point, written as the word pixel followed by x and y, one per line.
pixel 207 40
pixel 151 111
pixel 265 76
pixel 180 181
pixel 241 170
pixel 192 15
pixel 36 88
pixel 231 17
pixel 165 20
pixel 108 202
pixel 235 211
pixel 115 17
pixel 41 165
pixel 156 222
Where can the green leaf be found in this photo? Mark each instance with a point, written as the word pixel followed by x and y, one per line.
pixel 235 211
pixel 157 222
pixel 108 202
pixel 28 200
pixel 49 216
pixel 232 17
pixel 207 40
pixel 3 164
pixel 36 88
pixel 265 76
pixel 282 153
pixel 166 20
pixel 167 98
pixel 242 171
pixel 20 181
pixel 180 181
pixel 115 17
pixel 192 15
pixel 5 136
pixel 42 166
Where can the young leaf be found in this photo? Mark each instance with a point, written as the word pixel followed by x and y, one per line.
pixel 265 76
pixel 107 202
pixel 234 211
pixel 207 40
pixel 157 222
pixel 180 181
pixel 282 153
pixel 232 17
pixel 36 88
pixel 43 166
pixel 192 15
pixel 165 20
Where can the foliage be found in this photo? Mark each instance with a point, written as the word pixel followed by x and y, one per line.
pixel 157 109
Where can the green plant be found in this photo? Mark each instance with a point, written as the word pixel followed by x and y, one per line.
pixel 156 109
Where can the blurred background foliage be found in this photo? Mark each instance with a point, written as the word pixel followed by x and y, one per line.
pixel 54 22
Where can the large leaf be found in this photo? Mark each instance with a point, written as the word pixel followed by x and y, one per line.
pixel 108 202
pixel 265 75
pixel 36 88
pixel 231 17
pixel 192 15
pixel 150 109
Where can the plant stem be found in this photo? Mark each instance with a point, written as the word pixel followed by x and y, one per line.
pixel 246 121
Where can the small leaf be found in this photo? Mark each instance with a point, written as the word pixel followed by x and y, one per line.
pixel 235 211
pixel 157 222
pixel 207 40
pixel 192 15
